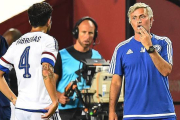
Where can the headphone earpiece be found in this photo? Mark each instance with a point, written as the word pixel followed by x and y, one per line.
pixel 75 31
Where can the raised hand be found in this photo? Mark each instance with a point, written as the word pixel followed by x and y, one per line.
pixel 145 37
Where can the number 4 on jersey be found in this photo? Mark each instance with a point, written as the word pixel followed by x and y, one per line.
pixel 24 62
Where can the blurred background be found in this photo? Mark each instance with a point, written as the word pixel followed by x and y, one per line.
pixel 113 26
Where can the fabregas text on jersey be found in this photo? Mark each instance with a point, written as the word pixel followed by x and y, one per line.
pixel 28 40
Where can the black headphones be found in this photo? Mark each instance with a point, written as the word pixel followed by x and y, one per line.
pixel 75 31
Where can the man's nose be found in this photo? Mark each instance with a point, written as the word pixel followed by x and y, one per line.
pixel 87 35
pixel 139 20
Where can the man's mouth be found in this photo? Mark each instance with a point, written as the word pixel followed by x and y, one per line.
pixel 87 42
pixel 139 26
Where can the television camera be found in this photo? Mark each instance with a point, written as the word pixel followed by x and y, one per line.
pixel 95 99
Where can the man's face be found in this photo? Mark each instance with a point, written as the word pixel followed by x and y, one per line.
pixel 140 18
pixel 86 33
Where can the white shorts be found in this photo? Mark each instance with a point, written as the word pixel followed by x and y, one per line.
pixel 25 115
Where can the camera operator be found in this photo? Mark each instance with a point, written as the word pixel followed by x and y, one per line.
pixel 68 62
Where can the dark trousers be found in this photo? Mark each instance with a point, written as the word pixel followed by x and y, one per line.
pixel 70 114
pixel 5 113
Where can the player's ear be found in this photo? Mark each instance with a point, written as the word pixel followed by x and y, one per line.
pixel 49 22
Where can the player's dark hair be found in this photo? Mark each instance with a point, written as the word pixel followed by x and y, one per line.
pixel 39 14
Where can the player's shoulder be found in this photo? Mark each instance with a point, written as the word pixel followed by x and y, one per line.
pixel 123 44
pixel 46 37
pixel 161 38
pixel 36 34
pixel 49 40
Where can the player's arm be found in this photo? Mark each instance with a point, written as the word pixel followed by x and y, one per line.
pixel 114 95
pixel 48 76
pixel 56 77
pixel 4 88
pixel 162 65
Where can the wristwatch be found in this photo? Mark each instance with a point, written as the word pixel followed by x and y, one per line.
pixel 151 49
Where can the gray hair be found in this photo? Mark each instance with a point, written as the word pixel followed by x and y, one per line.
pixel 140 5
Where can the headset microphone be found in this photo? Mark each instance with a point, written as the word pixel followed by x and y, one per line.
pixel 94 43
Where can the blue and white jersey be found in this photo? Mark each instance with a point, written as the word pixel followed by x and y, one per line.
pixel 147 92
pixel 26 55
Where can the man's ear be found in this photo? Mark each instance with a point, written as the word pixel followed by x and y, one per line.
pixel 151 21
pixel 48 22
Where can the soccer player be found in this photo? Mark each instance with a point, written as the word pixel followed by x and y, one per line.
pixel 33 56
pixel 145 60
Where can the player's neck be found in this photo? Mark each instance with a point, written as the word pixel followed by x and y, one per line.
pixel 39 29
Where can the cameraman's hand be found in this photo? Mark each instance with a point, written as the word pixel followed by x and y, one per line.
pixel 62 98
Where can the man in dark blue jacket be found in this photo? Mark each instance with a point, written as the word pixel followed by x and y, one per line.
pixel 5 110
